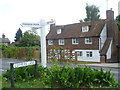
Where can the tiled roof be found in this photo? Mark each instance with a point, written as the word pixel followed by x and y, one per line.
pixel 4 40
pixel 75 30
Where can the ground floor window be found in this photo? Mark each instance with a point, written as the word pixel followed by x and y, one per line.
pixel 79 53
pixel 89 54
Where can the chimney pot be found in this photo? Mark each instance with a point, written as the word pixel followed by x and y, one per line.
pixel 3 36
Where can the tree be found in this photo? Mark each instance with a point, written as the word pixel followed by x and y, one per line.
pixel 18 35
pixel 118 21
pixel 92 13
pixel 118 18
pixel 29 38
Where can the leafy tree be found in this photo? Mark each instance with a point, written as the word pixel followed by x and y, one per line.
pixel 18 35
pixel 30 38
pixel 118 21
pixel 118 18
pixel 92 13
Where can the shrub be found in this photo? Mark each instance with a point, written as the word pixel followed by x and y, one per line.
pixel 19 52
pixel 66 77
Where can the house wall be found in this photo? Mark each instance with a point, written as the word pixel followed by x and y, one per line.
pixel 94 47
pixel 108 55
pixel 103 37
pixel 68 44
pixel 95 56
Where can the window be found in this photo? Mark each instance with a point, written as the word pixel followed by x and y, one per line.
pixel 58 31
pixel 89 54
pixel 75 41
pixel 79 53
pixel 88 40
pixel 61 41
pixel 85 28
pixel 50 42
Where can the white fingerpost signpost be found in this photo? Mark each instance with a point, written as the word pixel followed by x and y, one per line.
pixel 41 25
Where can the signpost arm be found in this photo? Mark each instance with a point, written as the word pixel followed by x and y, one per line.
pixel 12 74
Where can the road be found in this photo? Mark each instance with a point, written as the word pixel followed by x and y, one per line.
pixel 6 65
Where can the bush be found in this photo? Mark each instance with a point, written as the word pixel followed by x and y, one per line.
pixel 66 77
pixel 19 52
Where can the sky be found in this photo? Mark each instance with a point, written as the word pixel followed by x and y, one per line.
pixel 14 12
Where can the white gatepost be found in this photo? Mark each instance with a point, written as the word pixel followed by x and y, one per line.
pixel 41 25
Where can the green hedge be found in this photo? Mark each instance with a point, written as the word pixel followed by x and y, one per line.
pixel 19 52
pixel 66 77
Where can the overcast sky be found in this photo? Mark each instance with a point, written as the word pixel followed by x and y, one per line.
pixel 14 12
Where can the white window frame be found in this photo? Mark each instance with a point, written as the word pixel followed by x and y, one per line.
pixel 50 42
pixel 88 40
pixel 80 53
pixel 75 41
pixel 59 31
pixel 89 54
pixel 85 28
pixel 61 42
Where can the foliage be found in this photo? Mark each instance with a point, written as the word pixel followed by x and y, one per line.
pixel 3 46
pixel 118 24
pixel 58 53
pixel 18 35
pixel 30 38
pixel 118 21
pixel 118 18
pixel 27 53
pixel 92 13
pixel 65 76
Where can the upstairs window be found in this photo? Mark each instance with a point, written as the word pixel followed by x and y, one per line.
pixel 75 40
pixel 58 31
pixel 88 40
pixel 50 42
pixel 61 42
pixel 85 28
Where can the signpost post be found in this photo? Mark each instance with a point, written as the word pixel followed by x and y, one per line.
pixel 41 25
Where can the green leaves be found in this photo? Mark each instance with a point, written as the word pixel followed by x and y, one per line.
pixel 66 77
pixel 27 53
pixel 18 35
pixel 29 39
pixel 92 13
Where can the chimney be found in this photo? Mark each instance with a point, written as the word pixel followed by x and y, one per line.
pixel 110 14
pixel 3 36
pixel 110 25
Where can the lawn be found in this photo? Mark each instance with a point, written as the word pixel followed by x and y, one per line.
pixel 71 62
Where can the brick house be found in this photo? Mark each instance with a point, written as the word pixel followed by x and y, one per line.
pixel 93 41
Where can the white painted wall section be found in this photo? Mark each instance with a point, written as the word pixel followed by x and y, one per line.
pixel 109 51
pixel 95 56
pixel 103 37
